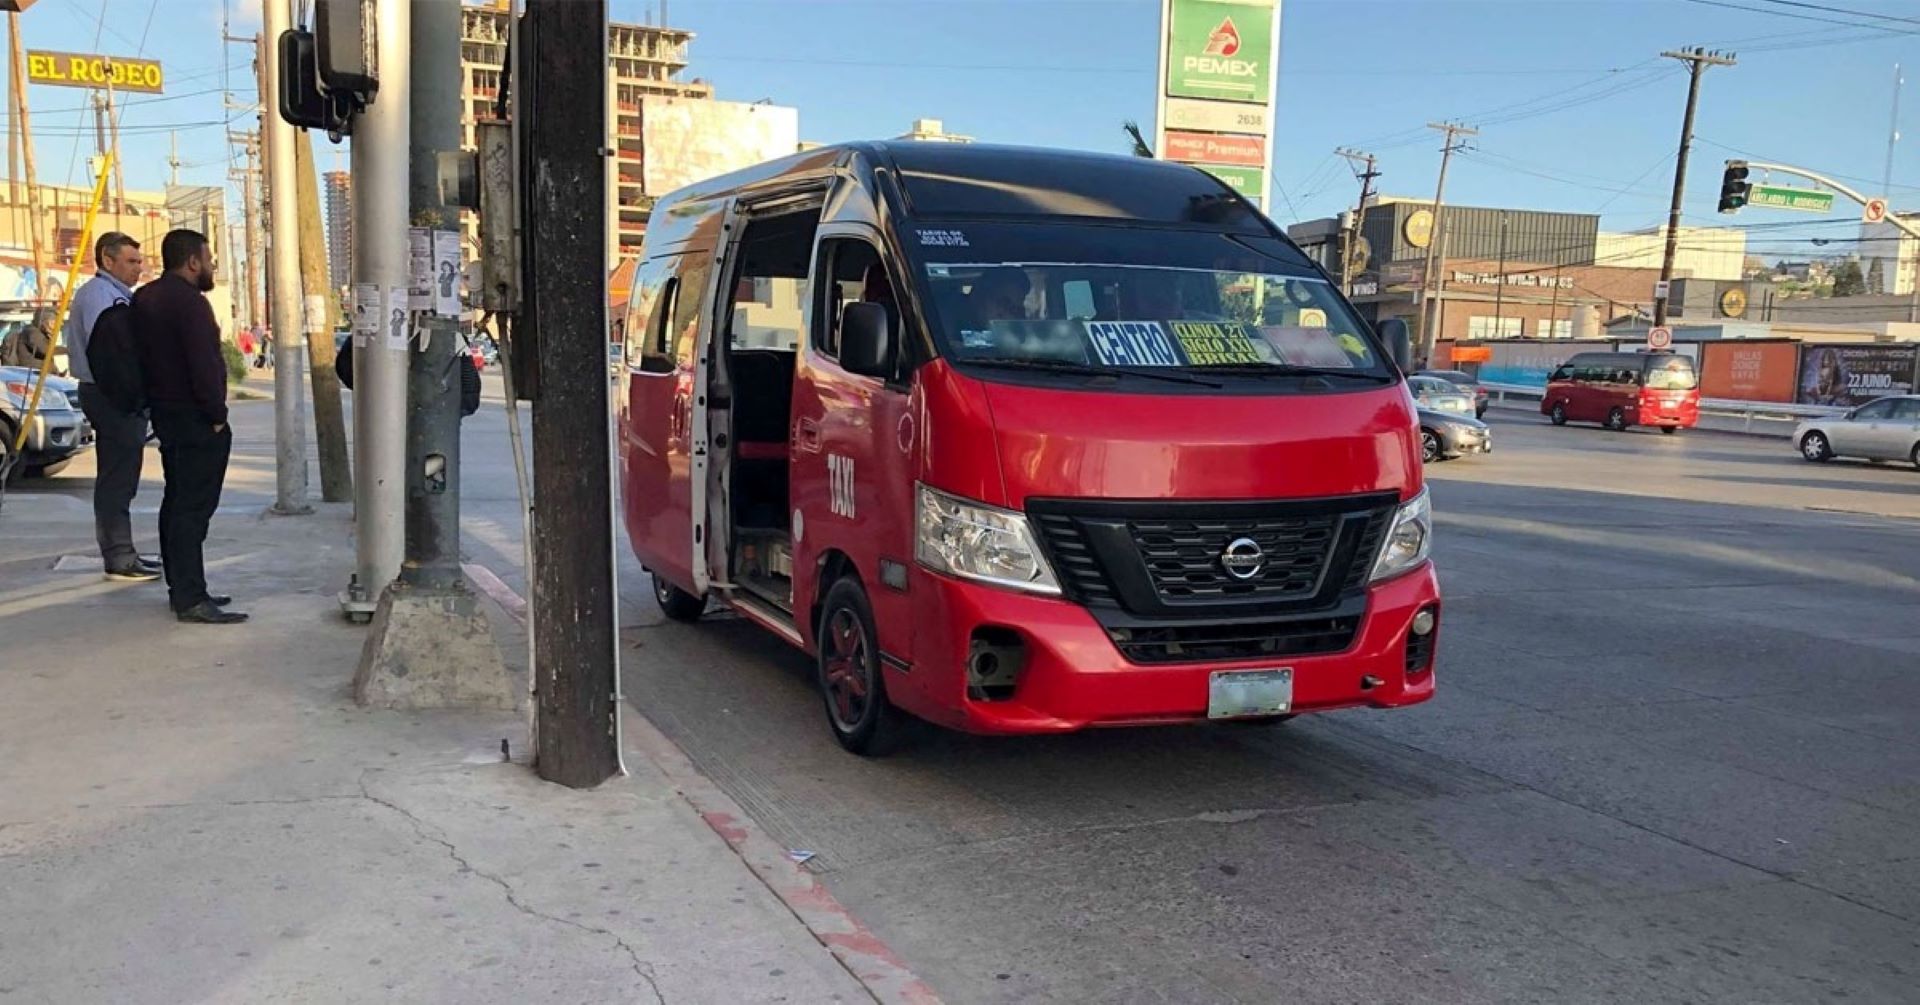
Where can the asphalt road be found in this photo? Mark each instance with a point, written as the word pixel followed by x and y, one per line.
pixel 1672 758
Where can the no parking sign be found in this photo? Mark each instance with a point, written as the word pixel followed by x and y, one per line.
pixel 1659 338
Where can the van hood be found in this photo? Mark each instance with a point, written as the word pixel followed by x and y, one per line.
pixel 1062 442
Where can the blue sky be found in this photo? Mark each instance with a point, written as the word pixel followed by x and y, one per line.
pixel 1576 109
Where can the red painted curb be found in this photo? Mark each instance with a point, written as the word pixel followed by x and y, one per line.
pixel 862 953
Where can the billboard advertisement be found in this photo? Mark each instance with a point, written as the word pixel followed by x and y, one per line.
pixel 1849 375
pixel 1749 371
pixel 1217 70
pixel 1527 364
pixel 685 140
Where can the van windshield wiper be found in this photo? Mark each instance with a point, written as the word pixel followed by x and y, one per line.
pixel 1084 369
pixel 1290 370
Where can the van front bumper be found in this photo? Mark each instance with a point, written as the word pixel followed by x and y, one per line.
pixel 1074 677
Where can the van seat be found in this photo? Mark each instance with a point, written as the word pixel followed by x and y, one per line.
pixel 762 395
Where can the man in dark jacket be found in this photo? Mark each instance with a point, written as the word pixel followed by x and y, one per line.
pixel 187 393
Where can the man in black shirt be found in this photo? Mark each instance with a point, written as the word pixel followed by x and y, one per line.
pixel 187 393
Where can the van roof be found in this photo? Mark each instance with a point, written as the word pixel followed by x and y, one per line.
pixel 976 180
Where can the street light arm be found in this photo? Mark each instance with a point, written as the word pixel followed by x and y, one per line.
pixel 1892 217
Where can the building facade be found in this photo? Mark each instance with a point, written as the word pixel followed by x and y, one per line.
pixel 642 60
pixel 1718 253
pixel 1889 258
pixel 339 198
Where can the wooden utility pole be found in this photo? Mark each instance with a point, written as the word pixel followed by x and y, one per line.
pixel 34 217
pixel 1429 285
pixel 329 421
pixel 250 205
pixel 562 113
pixel 1360 209
pixel 1697 61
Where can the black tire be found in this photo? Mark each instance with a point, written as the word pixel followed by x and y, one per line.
pixel 1814 447
pixel 1559 413
pixel 1914 456
pixel 49 470
pixel 676 602
pixel 1669 430
pixel 9 471
pixel 1430 450
pixel 1617 419
pixel 853 686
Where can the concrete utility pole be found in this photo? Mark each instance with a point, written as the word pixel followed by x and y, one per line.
pixel 1359 213
pixel 561 111
pixel 329 421
pixel 1697 61
pixel 431 646
pixel 1429 284
pixel 381 140
pixel 289 342
pixel 35 216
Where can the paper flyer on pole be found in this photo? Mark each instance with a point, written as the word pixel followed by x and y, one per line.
pixel 446 273
pixel 366 313
pixel 395 318
pixel 420 268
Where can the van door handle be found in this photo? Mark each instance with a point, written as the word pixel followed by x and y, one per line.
pixel 806 435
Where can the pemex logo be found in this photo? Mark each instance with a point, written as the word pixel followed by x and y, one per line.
pixel 1224 40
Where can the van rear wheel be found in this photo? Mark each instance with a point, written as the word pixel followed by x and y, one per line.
pixel 852 685
pixel 676 602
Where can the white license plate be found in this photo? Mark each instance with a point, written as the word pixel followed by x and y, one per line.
pixel 1234 694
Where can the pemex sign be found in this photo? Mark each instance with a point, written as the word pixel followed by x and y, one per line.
pixel 1220 49
pixel 1215 102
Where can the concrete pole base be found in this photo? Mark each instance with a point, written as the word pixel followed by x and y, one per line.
pixel 432 649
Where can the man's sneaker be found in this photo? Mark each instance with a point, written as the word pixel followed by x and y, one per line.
pixel 204 613
pixel 132 573
pixel 152 562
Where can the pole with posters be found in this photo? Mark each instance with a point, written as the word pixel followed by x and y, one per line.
pixel 381 140
pixel 430 645
pixel 1217 76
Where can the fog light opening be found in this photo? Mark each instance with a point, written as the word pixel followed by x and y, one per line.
pixel 1421 636
pixel 995 658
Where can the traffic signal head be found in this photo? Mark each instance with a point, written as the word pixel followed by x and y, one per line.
pixel 1733 187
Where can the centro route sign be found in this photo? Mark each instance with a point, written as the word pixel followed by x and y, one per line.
pixel 1807 200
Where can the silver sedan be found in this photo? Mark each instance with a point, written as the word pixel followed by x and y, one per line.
pixel 1884 429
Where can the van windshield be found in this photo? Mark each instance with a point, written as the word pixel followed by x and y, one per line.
pixel 1136 301
pixel 1674 374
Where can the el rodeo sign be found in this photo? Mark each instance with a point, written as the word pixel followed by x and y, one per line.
pixel 76 69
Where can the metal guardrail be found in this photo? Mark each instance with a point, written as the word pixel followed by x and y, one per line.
pixel 1746 410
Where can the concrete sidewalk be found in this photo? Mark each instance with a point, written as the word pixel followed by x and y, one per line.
pixel 195 813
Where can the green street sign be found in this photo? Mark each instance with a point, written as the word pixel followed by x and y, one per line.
pixel 1220 49
pixel 1807 200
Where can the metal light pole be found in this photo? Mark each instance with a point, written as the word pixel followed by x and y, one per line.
pixel 283 223
pixel 381 141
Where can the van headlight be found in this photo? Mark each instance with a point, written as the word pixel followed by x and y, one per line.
pixel 979 542
pixel 1409 541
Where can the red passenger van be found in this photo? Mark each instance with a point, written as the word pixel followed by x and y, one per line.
pixel 1022 441
pixel 1621 389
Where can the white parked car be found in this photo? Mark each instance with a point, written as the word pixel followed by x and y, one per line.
pixel 1884 429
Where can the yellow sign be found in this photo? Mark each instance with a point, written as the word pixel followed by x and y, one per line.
pixel 1209 343
pixel 1419 228
pixel 1733 303
pixel 76 69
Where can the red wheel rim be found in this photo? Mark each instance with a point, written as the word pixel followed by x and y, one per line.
pixel 846 664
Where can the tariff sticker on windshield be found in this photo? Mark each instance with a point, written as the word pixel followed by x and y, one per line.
pixel 1307 347
pixel 942 239
pixel 1215 343
pixel 1131 343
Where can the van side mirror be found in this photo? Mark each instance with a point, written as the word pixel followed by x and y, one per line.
pixel 1393 332
pixel 866 343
